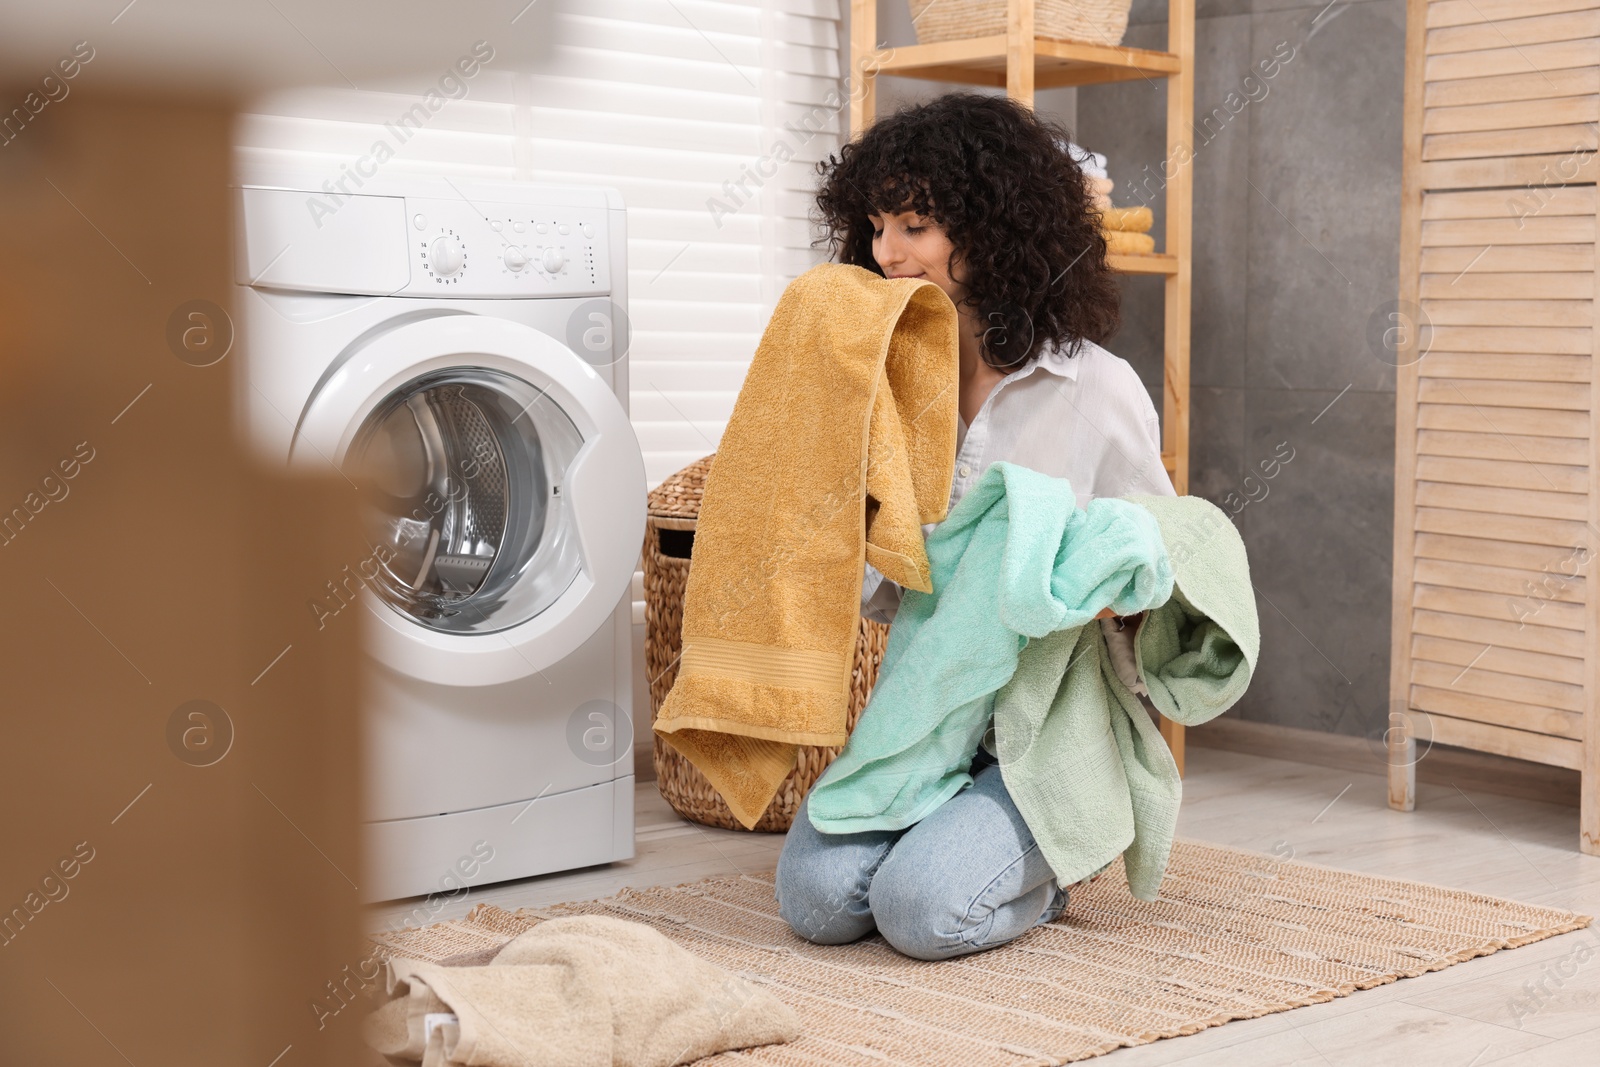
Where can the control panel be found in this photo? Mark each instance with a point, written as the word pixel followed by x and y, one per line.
pixel 487 249
pixel 443 245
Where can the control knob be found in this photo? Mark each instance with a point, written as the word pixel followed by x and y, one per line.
pixel 446 256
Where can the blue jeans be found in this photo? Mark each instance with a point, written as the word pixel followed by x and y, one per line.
pixel 968 877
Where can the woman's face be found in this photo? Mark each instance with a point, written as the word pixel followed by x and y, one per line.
pixel 909 245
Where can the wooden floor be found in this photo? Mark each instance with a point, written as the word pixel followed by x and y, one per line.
pixel 1476 1013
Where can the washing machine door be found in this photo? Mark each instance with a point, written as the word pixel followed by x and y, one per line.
pixel 504 489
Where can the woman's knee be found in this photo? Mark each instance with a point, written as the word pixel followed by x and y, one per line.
pixel 822 895
pixel 929 916
pixel 918 917
pixel 828 911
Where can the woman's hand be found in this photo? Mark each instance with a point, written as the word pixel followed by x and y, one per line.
pixel 1127 620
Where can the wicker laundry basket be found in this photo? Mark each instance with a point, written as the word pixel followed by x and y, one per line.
pixel 1089 21
pixel 669 533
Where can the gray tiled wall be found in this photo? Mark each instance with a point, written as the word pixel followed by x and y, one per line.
pixel 1296 223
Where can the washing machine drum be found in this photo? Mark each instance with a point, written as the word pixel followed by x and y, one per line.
pixel 463 473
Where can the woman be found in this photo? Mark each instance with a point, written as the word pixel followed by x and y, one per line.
pixel 977 195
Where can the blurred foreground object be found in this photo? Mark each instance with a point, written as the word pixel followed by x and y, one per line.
pixel 181 869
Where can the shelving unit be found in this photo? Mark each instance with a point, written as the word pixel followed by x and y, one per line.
pixel 1022 62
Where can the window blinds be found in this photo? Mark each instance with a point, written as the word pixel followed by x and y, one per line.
pixel 708 115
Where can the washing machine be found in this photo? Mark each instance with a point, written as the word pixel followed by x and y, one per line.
pixel 456 350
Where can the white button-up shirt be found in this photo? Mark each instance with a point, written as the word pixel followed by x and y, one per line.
pixel 1087 419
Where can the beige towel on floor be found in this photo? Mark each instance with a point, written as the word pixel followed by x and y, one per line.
pixel 850 398
pixel 578 991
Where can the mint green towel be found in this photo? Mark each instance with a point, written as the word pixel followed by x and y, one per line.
pixel 1015 559
pixel 1087 768
pixel 1081 758
pixel 1198 652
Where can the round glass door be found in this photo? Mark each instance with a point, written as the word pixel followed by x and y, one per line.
pixel 464 471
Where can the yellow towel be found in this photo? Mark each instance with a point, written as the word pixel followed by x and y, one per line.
pixel 840 447
pixel 1101 186
pixel 1127 219
pixel 1128 244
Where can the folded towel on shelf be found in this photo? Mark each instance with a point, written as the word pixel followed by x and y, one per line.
pixel 1128 244
pixel 1127 219
pixel 575 991
pixel 850 398
pixel 1101 186
pixel 1092 164
pixel 1019 574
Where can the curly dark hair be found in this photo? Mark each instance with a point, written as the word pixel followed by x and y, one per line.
pixel 1017 210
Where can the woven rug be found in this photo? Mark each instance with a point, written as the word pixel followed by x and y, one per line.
pixel 1234 935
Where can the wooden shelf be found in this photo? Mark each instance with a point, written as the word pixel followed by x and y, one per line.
pixel 1056 63
pixel 1150 263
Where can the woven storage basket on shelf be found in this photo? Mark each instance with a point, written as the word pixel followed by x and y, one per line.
pixel 669 532
pixel 1090 21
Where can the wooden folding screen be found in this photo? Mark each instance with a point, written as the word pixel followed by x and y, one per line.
pixel 1497 517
